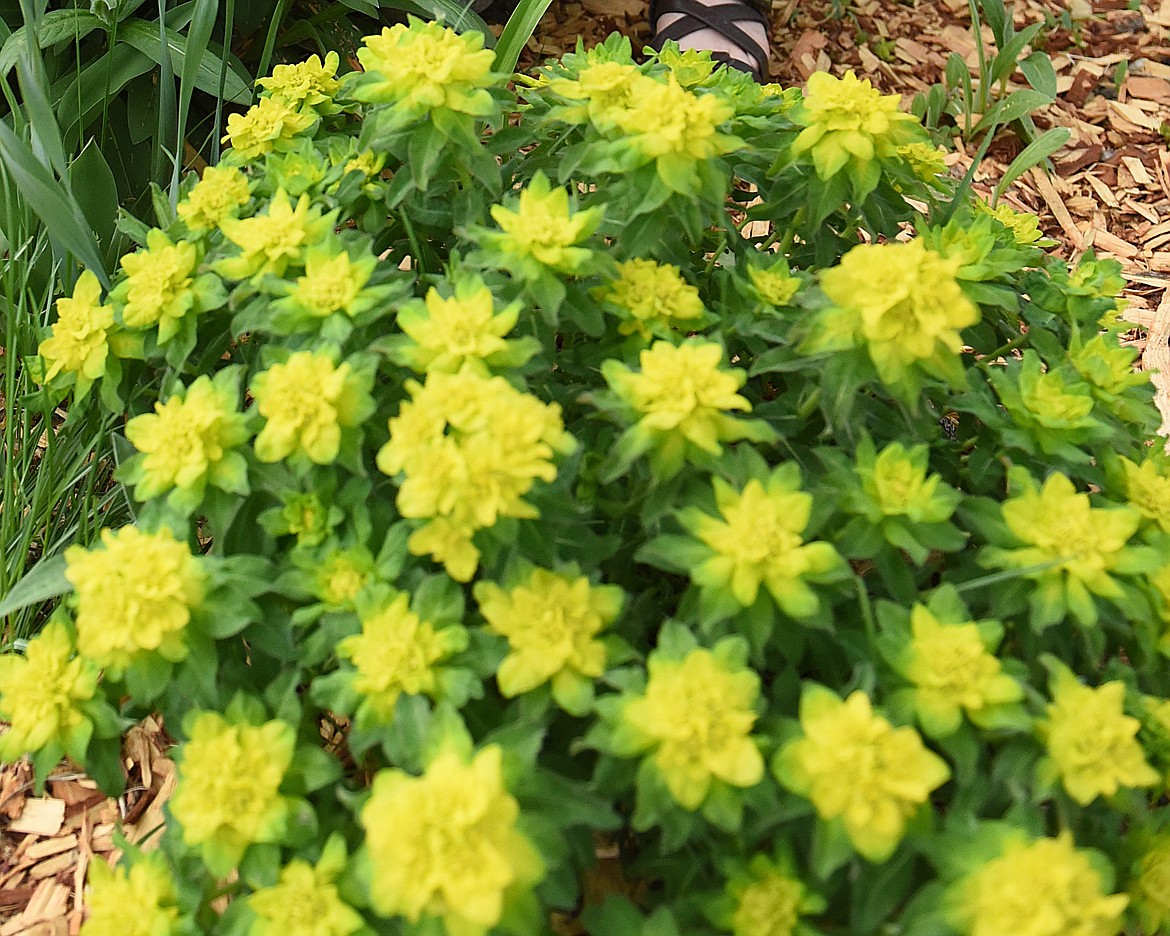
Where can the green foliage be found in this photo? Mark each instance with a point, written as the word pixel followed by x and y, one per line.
pixel 667 578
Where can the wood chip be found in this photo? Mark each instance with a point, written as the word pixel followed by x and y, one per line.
pixel 40 816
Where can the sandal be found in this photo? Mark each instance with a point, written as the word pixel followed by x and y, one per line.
pixel 726 17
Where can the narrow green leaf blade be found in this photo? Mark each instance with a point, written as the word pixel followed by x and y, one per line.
pixel 1034 153
pixel 518 30
pixel 144 37
pixel 45 580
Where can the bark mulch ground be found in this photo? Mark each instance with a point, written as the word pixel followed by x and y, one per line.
pixel 1110 194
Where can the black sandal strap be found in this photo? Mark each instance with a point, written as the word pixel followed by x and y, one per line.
pixel 723 18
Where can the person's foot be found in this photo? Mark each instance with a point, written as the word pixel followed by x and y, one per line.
pixel 733 31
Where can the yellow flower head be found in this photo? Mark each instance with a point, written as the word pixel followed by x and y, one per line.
pixel 187 439
pixel 897 484
pixel 157 289
pixel 39 693
pixel 79 340
pixel 662 119
pixel 607 88
pixel 544 228
pixel 270 123
pixel 924 159
pixel 305 902
pixel 133 596
pixel 902 302
pixel 333 281
pixel 1108 365
pixel 342 575
pixel 306 84
pixel 271 242
pixel 1046 399
pixel 217 195
pixel 697 715
pixel 1041 888
pixel 1092 742
pixel 425 66
pixel 775 285
pixel 551 622
pixel 857 767
pixel 757 539
pixel 654 298
pixel 1079 546
pixel 228 796
pixel 469 448
pixel 769 901
pixel 845 120
pixel 367 162
pixel 397 652
pixel 445 844
pixel 139 901
pixel 680 396
pixel 953 672
pixel 1024 226
pixel 457 332
pixel 1149 889
pixel 1148 489
pixel 307 401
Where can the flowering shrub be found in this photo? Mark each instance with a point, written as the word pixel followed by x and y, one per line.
pixel 664 579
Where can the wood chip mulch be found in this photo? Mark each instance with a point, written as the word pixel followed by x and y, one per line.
pixel 1110 193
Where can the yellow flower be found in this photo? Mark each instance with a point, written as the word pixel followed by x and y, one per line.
pixel 39 693
pixel 270 242
pixel 662 119
pixel 305 901
pixel 680 397
pixel 769 901
pixel 397 652
pixel 902 302
pixel 924 159
pixel 544 229
pixel 445 844
pixel 758 540
pixel 697 715
pixel 607 88
pixel 1092 742
pixel 449 334
pixel 157 289
pixel 469 448
pixel 857 767
pixel 217 195
pixel 269 123
pixel 898 485
pixel 1024 226
pixel 305 84
pixel 954 672
pixel 551 622
pixel 188 440
pixel 775 285
pixel 135 902
pixel 133 596
pixel 1040 888
pixel 332 282
pixel 1148 489
pixel 307 401
pixel 342 574
pixel 1072 548
pixel 228 796
pixel 654 296
pixel 849 120
pixel 1149 888
pixel 425 66
pixel 367 162
pixel 78 343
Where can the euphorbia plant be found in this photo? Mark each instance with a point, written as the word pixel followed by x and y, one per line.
pixel 814 580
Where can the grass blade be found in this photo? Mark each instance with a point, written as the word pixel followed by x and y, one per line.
pixel 518 30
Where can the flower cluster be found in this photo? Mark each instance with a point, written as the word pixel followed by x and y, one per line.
pixel 468 449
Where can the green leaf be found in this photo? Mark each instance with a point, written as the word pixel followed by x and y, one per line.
pixel 144 37
pixel 56 26
pixel 518 30
pixel 1037 68
pixel 43 581
pixel 1033 154
pixel 96 83
pixel 1011 108
pixel 92 182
